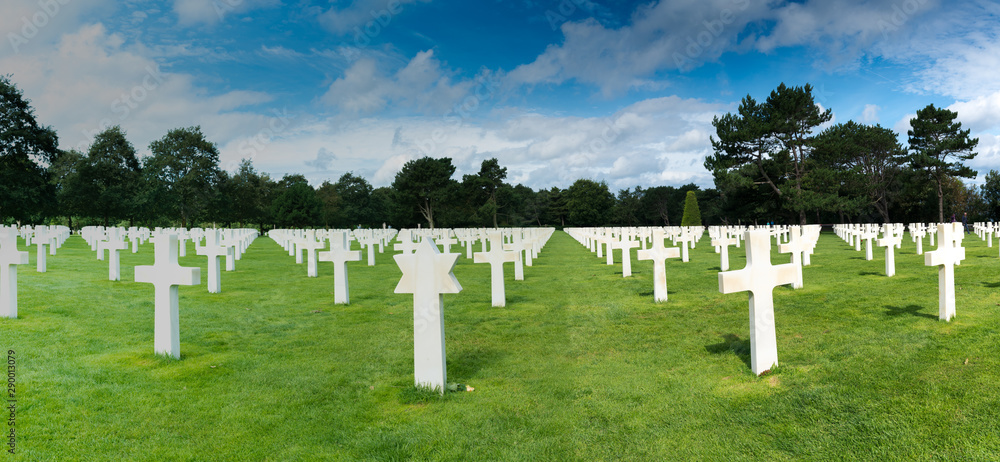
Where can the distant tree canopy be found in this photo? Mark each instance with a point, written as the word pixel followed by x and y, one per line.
pixel 772 161
pixel 769 164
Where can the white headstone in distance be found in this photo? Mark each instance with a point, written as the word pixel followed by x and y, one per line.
pixel 214 250
pixel 760 278
pixel 659 253
pixel 496 257
pixel 10 257
pixel 41 240
pixel 113 245
pixel 723 242
pixel 340 254
pixel 945 258
pixel 427 274
pixel 167 275
pixel 797 247
pixel 626 245
pixel 311 247
pixel 889 240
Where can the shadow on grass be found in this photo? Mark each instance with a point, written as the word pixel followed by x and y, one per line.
pixel 870 273
pixel 465 364
pixel 650 293
pixel 912 310
pixel 991 285
pixel 732 343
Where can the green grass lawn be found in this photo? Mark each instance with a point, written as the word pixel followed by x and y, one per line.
pixel 580 365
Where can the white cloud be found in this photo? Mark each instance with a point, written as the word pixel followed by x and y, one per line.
pixel 979 114
pixel 422 85
pixel 91 80
pixel 870 114
pixel 663 35
pixel 28 26
pixel 364 17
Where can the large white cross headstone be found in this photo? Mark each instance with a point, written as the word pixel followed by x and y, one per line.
pixel 167 275
pixel 496 257
pixel 340 253
pixel 760 278
pixel 10 257
pixel 659 253
pixel 945 258
pixel 427 274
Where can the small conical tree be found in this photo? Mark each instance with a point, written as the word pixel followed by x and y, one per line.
pixel 692 214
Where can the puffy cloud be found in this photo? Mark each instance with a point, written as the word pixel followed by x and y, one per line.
pixel 91 80
pixel 979 114
pixel 870 114
pixel 422 85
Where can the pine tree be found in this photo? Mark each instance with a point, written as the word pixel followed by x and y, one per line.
pixel 692 214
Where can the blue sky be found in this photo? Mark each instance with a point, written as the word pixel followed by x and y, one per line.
pixel 619 91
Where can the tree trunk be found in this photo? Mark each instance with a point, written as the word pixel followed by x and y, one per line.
pixel 940 192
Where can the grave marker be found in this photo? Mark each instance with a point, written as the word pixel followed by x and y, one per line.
pixel 340 254
pixel 760 278
pixel 659 253
pixel 167 275
pixel 427 274
pixel 945 258
pixel 10 257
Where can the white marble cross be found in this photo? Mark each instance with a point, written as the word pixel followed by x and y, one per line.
pixel 340 253
pixel 945 258
pixel 626 245
pixel 889 240
pixel 427 274
pixel 760 278
pixel 311 247
pixel 41 240
pixel 166 275
pixel 496 257
pixel 797 247
pixel 214 250
pixel 113 245
pixel 723 242
pixel 659 253
pixel 10 257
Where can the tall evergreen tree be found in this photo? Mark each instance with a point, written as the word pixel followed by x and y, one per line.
pixel 692 214
pixel 938 145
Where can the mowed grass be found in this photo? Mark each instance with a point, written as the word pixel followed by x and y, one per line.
pixel 580 365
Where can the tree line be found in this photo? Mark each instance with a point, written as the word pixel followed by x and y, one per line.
pixel 768 166
pixel 770 160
